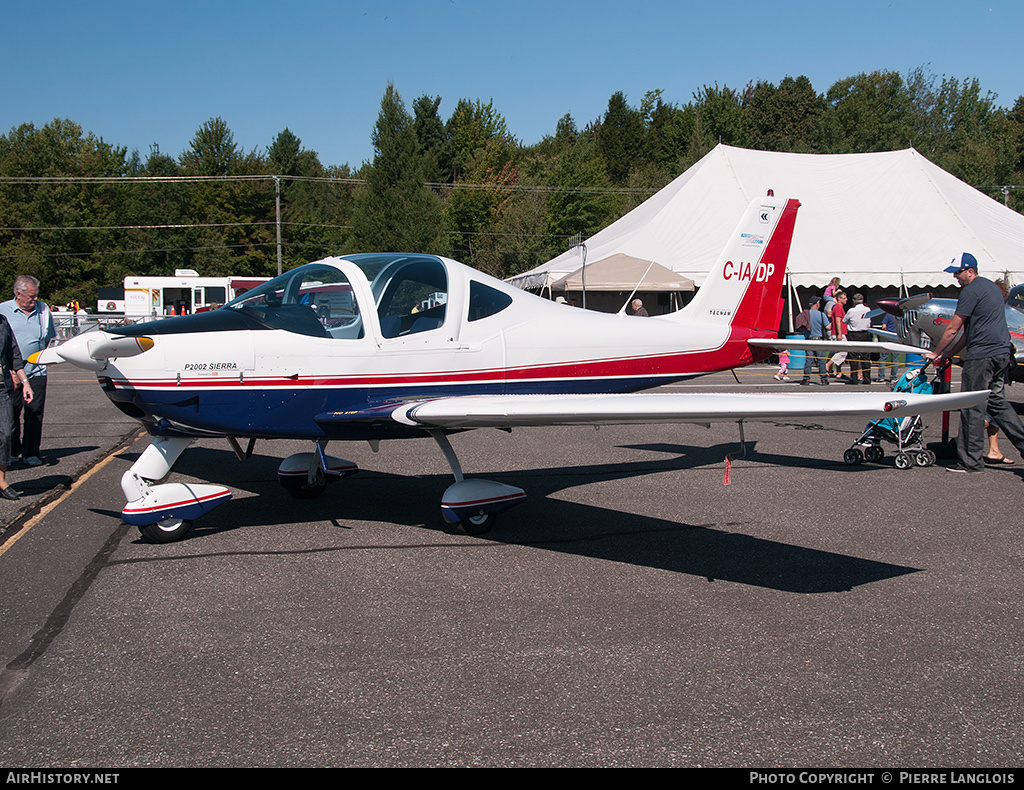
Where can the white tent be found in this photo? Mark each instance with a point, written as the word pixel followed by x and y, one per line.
pixel 874 220
pixel 622 273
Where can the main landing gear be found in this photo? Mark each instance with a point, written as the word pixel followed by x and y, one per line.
pixel 473 505
pixel 306 475
pixel 166 512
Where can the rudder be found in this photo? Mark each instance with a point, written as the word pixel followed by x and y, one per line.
pixel 745 286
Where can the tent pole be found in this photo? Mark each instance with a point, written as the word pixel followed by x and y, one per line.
pixel 635 287
pixel 583 275
pixel 794 297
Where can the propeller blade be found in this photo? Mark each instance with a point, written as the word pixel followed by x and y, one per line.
pixel 92 350
pixel 897 307
pixel 120 347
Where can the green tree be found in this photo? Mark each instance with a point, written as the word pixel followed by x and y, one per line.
pixel 60 231
pixel 620 138
pixel 551 146
pixel 212 151
pixel 156 241
pixel 666 133
pixel 472 214
pixel 283 156
pixel 789 117
pixel 580 201
pixel 314 210
pixel 429 135
pixel 394 211
pixel 470 128
pixel 869 112
pixel 233 215
pixel 716 116
pixel 959 128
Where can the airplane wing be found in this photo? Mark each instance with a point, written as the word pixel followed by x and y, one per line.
pixel 853 346
pixel 507 411
pixel 883 333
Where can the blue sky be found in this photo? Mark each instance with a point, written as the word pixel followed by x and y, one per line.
pixel 142 74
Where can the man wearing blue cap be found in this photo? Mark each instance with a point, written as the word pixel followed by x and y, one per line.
pixel 987 355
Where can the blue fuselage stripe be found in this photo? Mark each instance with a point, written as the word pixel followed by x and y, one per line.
pixel 276 412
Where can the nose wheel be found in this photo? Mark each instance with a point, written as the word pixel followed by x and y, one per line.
pixel 166 531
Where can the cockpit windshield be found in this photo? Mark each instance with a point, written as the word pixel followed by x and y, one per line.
pixel 411 291
pixel 410 295
pixel 315 300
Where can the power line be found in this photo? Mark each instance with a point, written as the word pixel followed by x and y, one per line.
pixel 295 245
pixel 439 185
pixel 140 252
pixel 178 226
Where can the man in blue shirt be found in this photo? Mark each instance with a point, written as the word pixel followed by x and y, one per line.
pixel 33 329
pixel 987 355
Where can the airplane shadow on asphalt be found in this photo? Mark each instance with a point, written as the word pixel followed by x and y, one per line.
pixel 546 521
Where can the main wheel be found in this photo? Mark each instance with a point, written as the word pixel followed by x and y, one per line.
pixel 874 453
pixel 308 490
pixel 477 525
pixel 166 531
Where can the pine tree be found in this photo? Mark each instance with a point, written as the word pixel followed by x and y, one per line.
pixel 395 211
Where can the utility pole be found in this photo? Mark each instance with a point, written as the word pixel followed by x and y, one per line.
pixel 277 201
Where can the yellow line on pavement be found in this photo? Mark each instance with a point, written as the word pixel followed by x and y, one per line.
pixel 51 505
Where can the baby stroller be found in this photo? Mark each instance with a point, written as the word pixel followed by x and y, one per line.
pixel 905 432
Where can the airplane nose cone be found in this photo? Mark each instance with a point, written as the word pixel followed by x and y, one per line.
pixel 76 351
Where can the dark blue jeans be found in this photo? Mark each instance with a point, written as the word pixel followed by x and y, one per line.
pixel 989 373
pixel 30 417
pixel 810 357
pixel 6 420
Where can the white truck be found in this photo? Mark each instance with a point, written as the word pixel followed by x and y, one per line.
pixel 184 293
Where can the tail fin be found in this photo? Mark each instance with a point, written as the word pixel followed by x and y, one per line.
pixel 744 288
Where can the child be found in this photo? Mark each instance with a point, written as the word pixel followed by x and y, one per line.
pixel 783 366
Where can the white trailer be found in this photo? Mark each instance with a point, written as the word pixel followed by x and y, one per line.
pixel 184 293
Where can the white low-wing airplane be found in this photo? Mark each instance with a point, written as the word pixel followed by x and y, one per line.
pixel 390 346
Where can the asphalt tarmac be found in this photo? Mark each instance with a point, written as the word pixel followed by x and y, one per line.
pixel 665 597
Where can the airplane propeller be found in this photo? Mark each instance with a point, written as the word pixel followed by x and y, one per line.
pixel 897 307
pixel 91 351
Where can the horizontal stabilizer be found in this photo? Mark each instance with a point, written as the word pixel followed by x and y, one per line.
pixel 508 411
pixel 851 346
